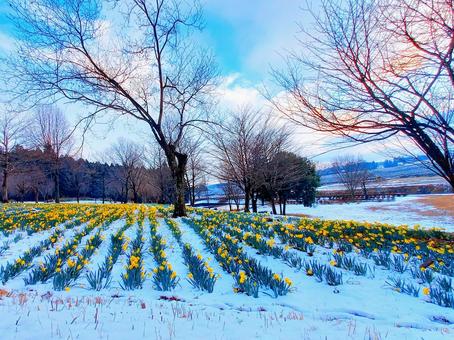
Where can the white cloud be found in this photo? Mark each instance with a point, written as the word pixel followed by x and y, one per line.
pixel 7 43
pixel 234 92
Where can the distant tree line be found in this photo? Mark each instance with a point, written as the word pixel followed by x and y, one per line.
pixel 33 179
pixel 38 162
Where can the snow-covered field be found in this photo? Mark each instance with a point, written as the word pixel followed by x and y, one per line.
pixel 362 307
pixel 410 210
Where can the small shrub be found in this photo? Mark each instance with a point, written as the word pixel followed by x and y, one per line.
pixel 360 269
pixel 400 285
pixel 441 297
pixel 99 279
pixel 445 283
pixel 382 259
pixel 318 270
pixel 333 277
pixel 423 275
pixel 245 284
pixel 399 264
pixel 164 278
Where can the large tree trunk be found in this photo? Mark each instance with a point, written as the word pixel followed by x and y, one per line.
pixel 5 186
pixel 179 205
pixel 442 159
pixel 247 198
pixel 177 163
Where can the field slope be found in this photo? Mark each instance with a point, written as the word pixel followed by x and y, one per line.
pixel 111 271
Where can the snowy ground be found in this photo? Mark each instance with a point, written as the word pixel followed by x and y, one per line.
pixel 362 308
pixel 66 316
pixel 407 210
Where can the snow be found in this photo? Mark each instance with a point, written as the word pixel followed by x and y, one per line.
pixel 174 253
pixel 104 317
pixel 360 308
pixel 100 254
pixel 224 285
pixel 402 211
pixel 118 268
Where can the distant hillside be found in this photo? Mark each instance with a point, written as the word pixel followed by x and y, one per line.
pixel 396 172
pixel 399 167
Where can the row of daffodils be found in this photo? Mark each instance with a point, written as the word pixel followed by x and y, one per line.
pixel 417 262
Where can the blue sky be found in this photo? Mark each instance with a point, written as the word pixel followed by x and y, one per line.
pixel 247 38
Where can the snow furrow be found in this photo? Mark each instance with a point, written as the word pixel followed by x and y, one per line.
pixel 174 253
pixel 225 283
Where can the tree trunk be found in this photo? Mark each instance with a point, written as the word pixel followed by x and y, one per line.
pixel 365 190
pixel 273 206
pixel 36 195
pixel 5 186
pixel 254 202
pixel 193 192
pixel 247 197
pixel 135 194
pixel 57 186
pixel 179 205
pixel 126 189
pixel 177 163
pixel 103 190
pixel 432 151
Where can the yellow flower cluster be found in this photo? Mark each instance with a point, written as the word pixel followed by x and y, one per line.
pixel 242 278
pixel 134 262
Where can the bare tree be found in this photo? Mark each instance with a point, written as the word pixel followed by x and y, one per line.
pixel 233 194
pixel 243 147
pixel 78 175
pixel 145 65
pixel 138 182
pixel 129 156
pixel 11 135
pixel 160 177
pixel 352 173
pixel 196 167
pixel 51 133
pixel 378 69
pixel 39 183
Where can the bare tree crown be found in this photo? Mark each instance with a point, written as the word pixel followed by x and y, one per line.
pixel 377 69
